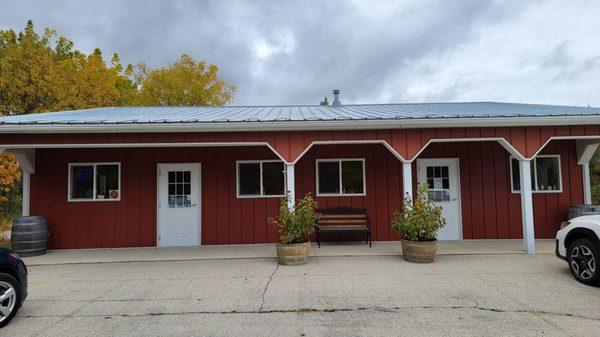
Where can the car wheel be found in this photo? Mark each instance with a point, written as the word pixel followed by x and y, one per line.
pixel 10 297
pixel 583 261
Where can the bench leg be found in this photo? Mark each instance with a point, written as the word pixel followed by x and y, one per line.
pixel 370 240
pixel 319 239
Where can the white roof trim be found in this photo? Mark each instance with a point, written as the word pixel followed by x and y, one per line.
pixel 303 125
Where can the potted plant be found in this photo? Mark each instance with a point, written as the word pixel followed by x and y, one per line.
pixel 294 225
pixel 417 223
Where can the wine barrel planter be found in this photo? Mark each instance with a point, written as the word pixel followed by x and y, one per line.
pixel 581 210
pixel 293 254
pixel 30 235
pixel 419 251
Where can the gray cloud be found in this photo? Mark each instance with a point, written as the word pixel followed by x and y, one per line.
pixel 295 52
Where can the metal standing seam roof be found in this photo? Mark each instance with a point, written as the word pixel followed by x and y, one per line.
pixel 292 113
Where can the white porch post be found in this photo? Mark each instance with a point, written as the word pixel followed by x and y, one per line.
pixel 26 160
pixel 585 151
pixel 527 206
pixel 26 188
pixel 291 185
pixel 407 179
pixel 587 185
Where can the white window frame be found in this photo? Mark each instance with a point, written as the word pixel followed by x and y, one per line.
pixel 534 168
pixel 262 188
pixel 340 161
pixel 94 164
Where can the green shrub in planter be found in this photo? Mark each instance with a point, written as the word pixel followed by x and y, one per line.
pixel 295 225
pixel 417 223
pixel 418 219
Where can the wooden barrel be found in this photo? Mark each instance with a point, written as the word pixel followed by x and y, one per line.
pixel 581 210
pixel 293 254
pixel 419 251
pixel 30 235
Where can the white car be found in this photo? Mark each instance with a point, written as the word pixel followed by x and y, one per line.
pixel 578 243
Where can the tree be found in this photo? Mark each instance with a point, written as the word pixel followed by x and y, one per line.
pixel 325 101
pixel 44 73
pixel 184 82
pixel 40 73
pixel 9 174
pixel 595 177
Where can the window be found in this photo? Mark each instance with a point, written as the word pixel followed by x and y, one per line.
pixel 94 181
pixel 545 174
pixel 265 178
pixel 438 183
pixel 340 177
pixel 180 189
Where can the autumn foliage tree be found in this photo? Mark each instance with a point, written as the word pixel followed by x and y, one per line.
pixel 184 82
pixel 44 72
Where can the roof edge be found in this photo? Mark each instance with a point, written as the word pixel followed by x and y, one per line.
pixel 303 125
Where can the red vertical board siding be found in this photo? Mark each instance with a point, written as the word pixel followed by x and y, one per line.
pixel 501 219
pixel 489 209
pixel 131 222
pixel 383 184
pixel 502 190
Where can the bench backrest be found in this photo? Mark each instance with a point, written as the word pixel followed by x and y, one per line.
pixel 343 217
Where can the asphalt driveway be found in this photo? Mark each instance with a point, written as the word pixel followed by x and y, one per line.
pixel 383 295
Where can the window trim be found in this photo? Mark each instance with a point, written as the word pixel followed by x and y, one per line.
pixel 262 188
pixel 94 164
pixel 341 194
pixel 534 168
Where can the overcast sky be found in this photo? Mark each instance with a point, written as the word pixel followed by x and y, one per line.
pixel 295 52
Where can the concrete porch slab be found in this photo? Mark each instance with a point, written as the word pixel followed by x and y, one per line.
pixel 463 247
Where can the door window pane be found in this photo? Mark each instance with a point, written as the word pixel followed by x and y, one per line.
pixel 249 178
pixel 329 177
pixel 352 177
pixel 82 182
pixel 179 189
pixel 438 183
pixel 273 178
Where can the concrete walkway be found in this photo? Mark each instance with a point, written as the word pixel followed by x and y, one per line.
pixel 464 247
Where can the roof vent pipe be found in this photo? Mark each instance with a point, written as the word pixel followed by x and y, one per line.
pixel 336 98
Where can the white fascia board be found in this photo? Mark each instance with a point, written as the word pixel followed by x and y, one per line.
pixel 303 125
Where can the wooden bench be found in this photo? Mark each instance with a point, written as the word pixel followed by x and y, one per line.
pixel 343 220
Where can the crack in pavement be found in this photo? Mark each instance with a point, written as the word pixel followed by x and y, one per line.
pixel 321 310
pixel 262 303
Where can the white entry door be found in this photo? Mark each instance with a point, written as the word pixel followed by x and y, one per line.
pixel 178 204
pixel 442 178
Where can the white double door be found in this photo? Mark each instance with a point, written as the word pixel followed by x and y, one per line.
pixel 442 178
pixel 178 204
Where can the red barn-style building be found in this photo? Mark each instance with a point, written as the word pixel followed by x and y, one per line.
pixel 185 176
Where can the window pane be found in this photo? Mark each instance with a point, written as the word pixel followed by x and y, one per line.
pixel 329 177
pixel 249 175
pixel 548 178
pixel 82 182
pixel 107 182
pixel 352 177
pixel 516 176
pixel 273 178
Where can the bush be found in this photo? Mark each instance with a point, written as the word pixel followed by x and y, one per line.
pixel 419 220
pixel 5 227
pixel 294 226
